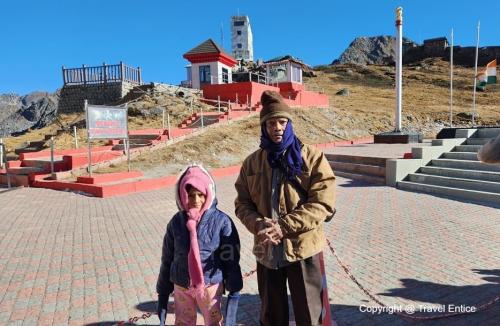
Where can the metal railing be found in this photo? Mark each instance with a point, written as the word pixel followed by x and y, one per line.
pixel 101 74
pixel 247 76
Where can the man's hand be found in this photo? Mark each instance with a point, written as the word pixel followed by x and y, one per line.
pixel 270 232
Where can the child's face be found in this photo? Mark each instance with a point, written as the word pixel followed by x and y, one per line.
pixel 196 198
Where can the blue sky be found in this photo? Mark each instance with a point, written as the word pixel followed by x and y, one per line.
pixel 38 37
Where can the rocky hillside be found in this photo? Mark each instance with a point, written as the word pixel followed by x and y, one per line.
pixel 21 113
pixel 378 50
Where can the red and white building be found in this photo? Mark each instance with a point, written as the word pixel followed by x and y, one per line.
pixel 211 71
pixel 210 64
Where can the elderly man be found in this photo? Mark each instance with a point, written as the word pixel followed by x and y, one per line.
pixel 285 191
pixel 490 152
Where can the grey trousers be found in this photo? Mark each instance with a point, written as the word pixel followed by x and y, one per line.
pixel 304 281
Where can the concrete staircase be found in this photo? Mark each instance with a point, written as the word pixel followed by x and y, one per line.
pixel 369 169
pixel 210 117
pixel 458 172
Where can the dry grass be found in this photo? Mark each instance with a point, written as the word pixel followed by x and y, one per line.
pixel 425 92
pixel 368 109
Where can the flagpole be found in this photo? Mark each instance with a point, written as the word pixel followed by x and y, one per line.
pixel 475 79
pixel 451 80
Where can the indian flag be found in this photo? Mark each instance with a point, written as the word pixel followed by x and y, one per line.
pixel 482 80
pixel 491 70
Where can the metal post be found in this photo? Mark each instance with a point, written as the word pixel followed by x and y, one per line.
pixel 64 75
pixel 3 161
pixel 52 157
pixel 128 154
pixel 248 106
pixel 475 80
pixel 1 154
pixel 84 75
pixel 399 66
pixel 201 111
pixel 122 71
pixel 191 105
pixel 76 136
pixel 451 80
pixel 163 119
pixel 237 100
pixel 218 103
pixel 105 72
pixel 88 139
pixel 168 126
pixel 228 109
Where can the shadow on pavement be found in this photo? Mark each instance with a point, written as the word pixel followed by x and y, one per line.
pixel 358 183
pixel 427 293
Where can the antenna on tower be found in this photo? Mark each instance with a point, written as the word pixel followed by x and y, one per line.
pixel 222 34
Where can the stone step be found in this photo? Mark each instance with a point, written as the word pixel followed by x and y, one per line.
pixel 476 141
pixel 467 148
pixel 142 142
pixel 463 174
pixel 37 143
pixel 376 161
pixel 27 150
pixel 142 137
pixel 16 180
pixel 24 170
pixel 487 132
pixel 370 170
pixel 473 195
pixel 465 165
pixel 461 183
pixel 42 164
pixel 469 156
pixel 363 177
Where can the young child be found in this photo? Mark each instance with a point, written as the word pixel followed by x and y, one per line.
pixel 200 256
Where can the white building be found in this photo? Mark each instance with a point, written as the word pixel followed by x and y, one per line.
pixel 241 38
pixel 284 69
pixel 210 64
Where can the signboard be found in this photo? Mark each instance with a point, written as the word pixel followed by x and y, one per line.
pixel 107 122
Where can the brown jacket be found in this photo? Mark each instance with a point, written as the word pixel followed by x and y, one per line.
pixel 490 152
pixel 301 219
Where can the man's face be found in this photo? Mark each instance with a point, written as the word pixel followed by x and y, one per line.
pixel 275 128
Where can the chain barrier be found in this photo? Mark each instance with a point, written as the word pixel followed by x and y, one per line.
pixel 403 314
pixel 362 288
pixel 149 314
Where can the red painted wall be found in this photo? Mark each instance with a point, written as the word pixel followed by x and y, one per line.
pixel 227 92
pixel 297 93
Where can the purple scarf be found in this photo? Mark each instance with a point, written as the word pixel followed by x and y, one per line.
pixel 289 147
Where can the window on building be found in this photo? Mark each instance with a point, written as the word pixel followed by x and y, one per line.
pixel 205 74
pixel 277 73
pixel 296 74
pixel 225 76
pixel 238 32
pixel 239 23
pixel 239 45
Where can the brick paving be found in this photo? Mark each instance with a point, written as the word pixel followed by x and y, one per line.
pixel 67 259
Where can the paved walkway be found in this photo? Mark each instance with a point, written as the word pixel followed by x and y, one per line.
pixel 69 259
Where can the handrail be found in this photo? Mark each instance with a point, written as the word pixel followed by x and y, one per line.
pixel 101 74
